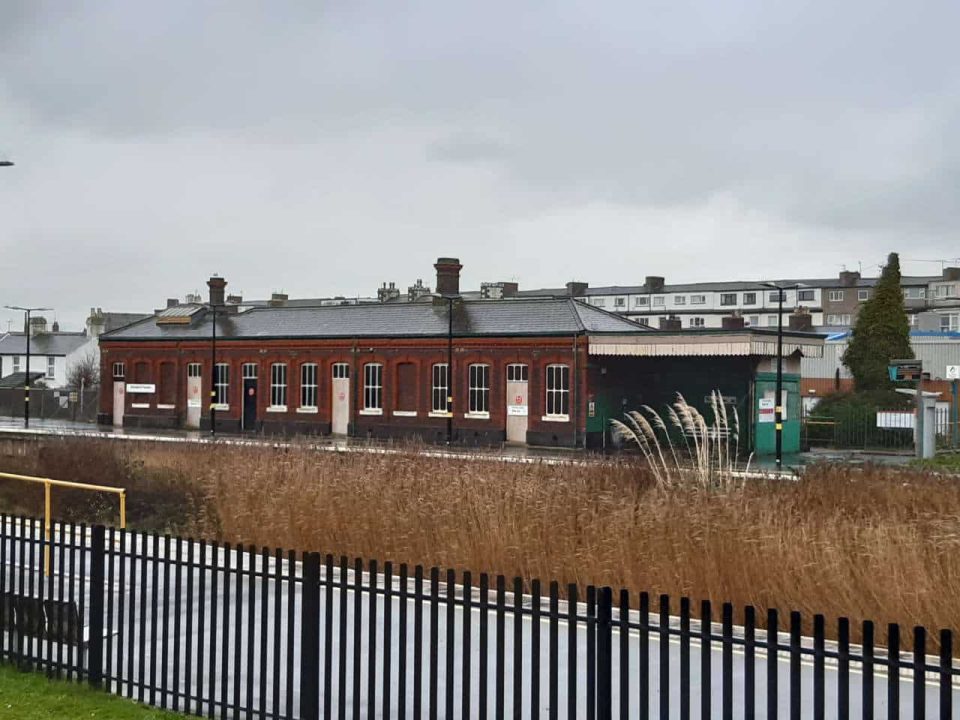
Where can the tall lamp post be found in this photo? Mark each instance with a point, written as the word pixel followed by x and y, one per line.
pixel 778 402
pixel 449 300
pixel 26 382
pixel 213 372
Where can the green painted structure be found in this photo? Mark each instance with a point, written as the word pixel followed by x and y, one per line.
pixel 765 439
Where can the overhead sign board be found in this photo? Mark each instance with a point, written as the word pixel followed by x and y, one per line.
pixel 141 388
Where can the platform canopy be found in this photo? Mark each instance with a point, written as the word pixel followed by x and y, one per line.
pixel 707 343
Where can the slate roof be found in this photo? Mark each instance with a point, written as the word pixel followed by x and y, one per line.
pixel 115 320
pixel 17 379
pixel 489 318
pixel 61 343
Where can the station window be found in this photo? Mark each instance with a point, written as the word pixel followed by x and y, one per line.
pixel 439 388
pixel 341 371
pixel 221 383
pixel 373 386
pixel 278 385
pixel 517 372
pixel 308 385
pixel 558 391
pixel 119 369
pixel 479 389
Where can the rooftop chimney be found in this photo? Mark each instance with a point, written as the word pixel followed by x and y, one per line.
pixel 56 326
pixel 654 283
pixel 671 323
pixel 234 299
pixel 278 299
pixel 951 273
pixel 38 325
pixel 172 302
pixel 448 276
pixel 95 323
pixel 217 286
pixel 577 289
pixel 800 320
pixel 849 278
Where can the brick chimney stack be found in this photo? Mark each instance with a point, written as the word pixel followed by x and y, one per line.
pixel 217 287
pixel 448 276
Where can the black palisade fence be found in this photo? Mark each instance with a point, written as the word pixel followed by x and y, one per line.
pixel 223 631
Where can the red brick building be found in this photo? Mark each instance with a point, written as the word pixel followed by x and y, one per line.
pixel 542 371
pixel 519 368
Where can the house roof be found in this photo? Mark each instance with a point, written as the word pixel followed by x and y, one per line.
pixel 731 286
pixel 420 319
pixel 115 320
pixel 17 379
pixel 60 343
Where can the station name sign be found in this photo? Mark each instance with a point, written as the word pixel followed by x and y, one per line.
pixel 141 388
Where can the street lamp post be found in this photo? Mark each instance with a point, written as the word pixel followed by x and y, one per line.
pixel 26 382
pixel 778 402
pixel 213 373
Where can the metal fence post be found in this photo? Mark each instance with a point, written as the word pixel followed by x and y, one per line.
pixel 605 655
pixel 98 590
pixel 310 638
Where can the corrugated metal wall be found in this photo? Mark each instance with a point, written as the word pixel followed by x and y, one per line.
pixel 936 352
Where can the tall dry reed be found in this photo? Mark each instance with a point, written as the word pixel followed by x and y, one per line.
pixel 875 543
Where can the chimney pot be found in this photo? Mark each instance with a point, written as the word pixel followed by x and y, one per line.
pixel 801 320
pixel 577 289
pixel 655 283
pixel 448 276
pixel 217 287
pixel 849 278
pixel 172 302
pixel 671 323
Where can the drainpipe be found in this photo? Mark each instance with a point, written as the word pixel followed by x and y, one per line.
pixel 355 385
pixel 576 388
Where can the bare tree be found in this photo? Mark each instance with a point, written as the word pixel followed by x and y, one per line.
pixel 86 371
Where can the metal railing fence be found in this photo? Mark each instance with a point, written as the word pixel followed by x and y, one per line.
pixel 223 631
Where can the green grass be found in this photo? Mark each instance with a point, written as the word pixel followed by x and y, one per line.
pixel 948 461
pixel 31 696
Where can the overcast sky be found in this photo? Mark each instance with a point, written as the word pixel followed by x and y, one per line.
pixel 321 148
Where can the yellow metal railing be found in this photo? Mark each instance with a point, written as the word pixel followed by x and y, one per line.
pixel 48 483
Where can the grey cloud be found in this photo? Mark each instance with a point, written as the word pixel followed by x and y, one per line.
pixel 341 123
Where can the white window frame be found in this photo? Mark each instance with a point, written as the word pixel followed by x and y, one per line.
pixel 557 392
pixel 835 296
pixel 747 295
pixel 308 386
pixel 478 391
pixel 950 322
pixel 774 297
pixel 753 320
pixel 863 295
pixel 725 296
pixel 221 386
pixel 620 302
pixel 772 321
pixel 806 296
pixel 51 367
pixel 641 300
pixel 597 301
pixel 193 369
pixel 340 371
pixel 439 390
pixel 16 363
pixel 250 371
pixel 278 387
pixel 518 372
pixel 679 299
pixel 697 322
pixel 372 389
pixel 698 299
pixel 659 301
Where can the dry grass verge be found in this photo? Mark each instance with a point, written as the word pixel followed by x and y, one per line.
pixel 874 544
